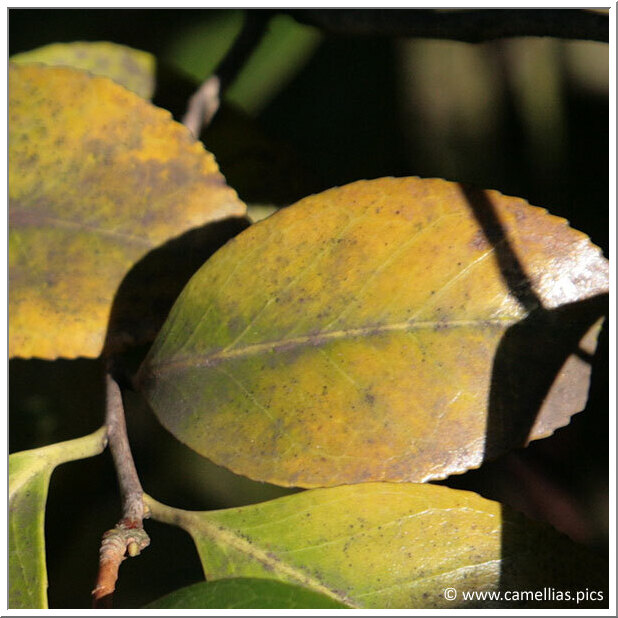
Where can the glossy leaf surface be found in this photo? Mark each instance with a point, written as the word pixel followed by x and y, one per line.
pixel 132 68
pixel 29 473
pixel 245 593
pixel 396 329
pixel 97 178
pixel 386 545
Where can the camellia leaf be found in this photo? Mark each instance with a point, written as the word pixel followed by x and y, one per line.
pixel 387 545
pixel 395 329
pixel 29 473
pixel 132 68
pixel 245 593
pixel 97 178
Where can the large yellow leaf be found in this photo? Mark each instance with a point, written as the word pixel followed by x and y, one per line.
pixel 396 329
pixel 97 178
pixel 132 68
pixel 385 545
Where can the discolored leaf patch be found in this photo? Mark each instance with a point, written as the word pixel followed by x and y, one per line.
pixel 132 68
pixel 388 546
pixel 29 473
pixel 395 329
pixel 97 178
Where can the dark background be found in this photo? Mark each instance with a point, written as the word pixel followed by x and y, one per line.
pixel 528 117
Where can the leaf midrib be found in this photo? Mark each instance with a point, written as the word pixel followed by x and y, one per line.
pixel 37 466
pixel 212 359
pixel 20 218
pixel 221 534
pixel 46 458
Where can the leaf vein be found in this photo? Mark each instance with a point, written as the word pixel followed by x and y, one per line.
pixel 414 582
pixel 23 219
pixel 223 535
pixel 214 358
pixel 410 242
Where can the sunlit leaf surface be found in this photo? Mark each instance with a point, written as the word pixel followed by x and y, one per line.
pixel 388 545
pixel 396 329
pixel 132 68
pixel 97 178
pixel 29 473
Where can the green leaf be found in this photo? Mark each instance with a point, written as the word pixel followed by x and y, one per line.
pixel 97 178
pixel 245 593
pixel 29 473
pixel 373 332
pixel 132 68
pixel 383 545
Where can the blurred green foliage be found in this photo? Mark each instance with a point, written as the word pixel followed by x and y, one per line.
pixel 285 48
pixel 197 48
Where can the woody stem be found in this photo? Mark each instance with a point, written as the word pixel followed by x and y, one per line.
pixel 128 537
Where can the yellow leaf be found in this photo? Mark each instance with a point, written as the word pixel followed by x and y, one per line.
pixel 395 329
pixel 97 178
pixel 132 68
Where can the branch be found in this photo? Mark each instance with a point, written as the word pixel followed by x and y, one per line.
pixel 470 26
pixel 128 537
pixel 203 105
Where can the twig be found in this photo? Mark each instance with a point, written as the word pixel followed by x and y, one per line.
pixel 203 105
pixel 128 537
pixel 471 26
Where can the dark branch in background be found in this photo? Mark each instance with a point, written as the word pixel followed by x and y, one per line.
pixel 203 105
pixel 470 26
pixel 128 537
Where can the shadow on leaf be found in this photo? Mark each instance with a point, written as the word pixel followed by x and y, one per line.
pixel 151 287
pixel 541 369
pixel 540 377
